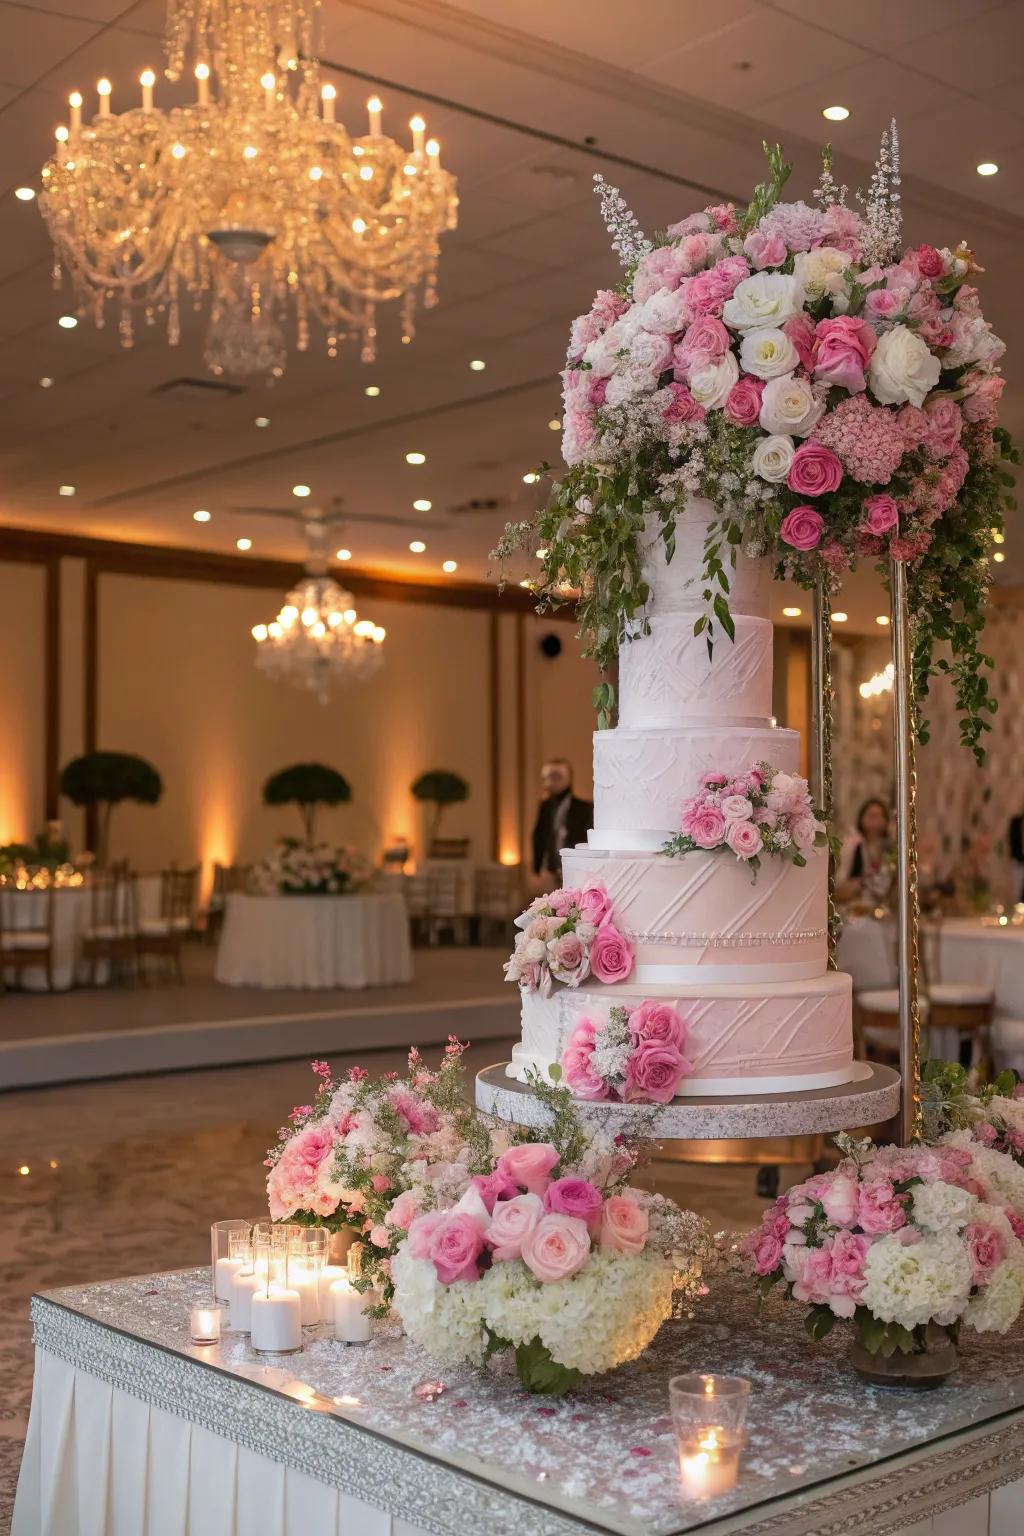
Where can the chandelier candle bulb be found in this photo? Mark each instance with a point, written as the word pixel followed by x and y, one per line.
pixel 269 84
pixel 75 103
pixel 434 153
pixel 61 135
pixel 103 89
pixel 375 107
pixel 202 73
pixel 327 97
pixel 147 80
pixel 419 129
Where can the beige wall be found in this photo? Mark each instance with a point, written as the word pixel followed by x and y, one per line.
pixel 22 685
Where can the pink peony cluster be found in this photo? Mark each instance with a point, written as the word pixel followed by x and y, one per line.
pixel 522 1211
pixel 763 811
pixel 635 1055
pixel 567 936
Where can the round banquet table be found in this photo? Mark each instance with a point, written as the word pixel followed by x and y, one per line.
pixel 72 915
pixel 314 941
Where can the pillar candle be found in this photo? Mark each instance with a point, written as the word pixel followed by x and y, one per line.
pixel 351 1325
pixel 225 1272
pixel 302 1278
pixel 243 1289
pixel 328 1275
pixel 276 1326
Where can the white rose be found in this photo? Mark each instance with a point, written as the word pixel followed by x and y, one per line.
pixel 663 312
pixel 650 350
pixel 767 353
pixel 711 383
pixel 902 368
pixel 788 405
pixel 767 298
pixel 821 271
pixel 772 457
pixel 535 949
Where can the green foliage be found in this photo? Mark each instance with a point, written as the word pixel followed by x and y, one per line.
pixel 767 193
pixel 108 778
pixel 306 785
pixel 539 1373
pixel 819 1321
pixel 603 701
pixel 441 786
pixel 885 1339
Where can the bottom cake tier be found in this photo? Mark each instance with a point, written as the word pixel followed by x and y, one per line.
pixel 742 1038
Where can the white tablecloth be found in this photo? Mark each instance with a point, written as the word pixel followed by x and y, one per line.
pixel 315 941
pixel 968 950
pixel 99 1462
pixel 72 913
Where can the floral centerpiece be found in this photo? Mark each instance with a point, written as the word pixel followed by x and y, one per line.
pixel 634 1056
pixel 835 397
pixel 567 936
pixel 309 869
pixel 908 1243
pixel 762 813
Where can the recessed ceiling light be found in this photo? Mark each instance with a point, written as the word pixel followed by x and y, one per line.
pixel 839 617
pixel 373 390
pixel 68 322
pixel 422 505
pixel 243 544
pixel 527 583
pixel 24 194
pixel 999 557
pixel 554 424
pixel 449 566
pixel 344 554
pixel 67 490
pixel 261 421
pixel 417 546
pixel 301 491
pixel 478 365
pixel 415 458
pixel 45 382
pixel 202 516
pixel 883 619
pixel 530 478
pixel 997 537
pixel 836 114
pixel 792 613
pixel 987 168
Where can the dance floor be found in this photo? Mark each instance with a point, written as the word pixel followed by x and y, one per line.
pixel 114 1031
pixel 125 1175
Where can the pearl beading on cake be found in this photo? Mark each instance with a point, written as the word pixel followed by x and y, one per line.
pixel 728 940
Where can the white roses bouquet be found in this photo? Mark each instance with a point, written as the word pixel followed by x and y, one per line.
pixel 309 869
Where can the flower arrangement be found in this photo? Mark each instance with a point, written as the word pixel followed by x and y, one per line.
pixel 896 1239
pixel 309 869
pixel 567 936
pixel 991 1114
pixel 835 397
pixel 763 812
pixel 634 1056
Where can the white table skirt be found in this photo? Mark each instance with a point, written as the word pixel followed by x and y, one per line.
pixel 315 941
pixel 99 1462
pixel 72 913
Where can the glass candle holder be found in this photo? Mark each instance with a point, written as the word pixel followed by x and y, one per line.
pixel 204 1325
pixel 355 1261
pixel 709 1413
pixel 276 1313
pixel 220 1233
pixel 307 1257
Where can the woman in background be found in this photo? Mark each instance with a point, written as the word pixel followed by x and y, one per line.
pixel 865 865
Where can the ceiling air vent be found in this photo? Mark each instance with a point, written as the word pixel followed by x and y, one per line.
pixel 198 389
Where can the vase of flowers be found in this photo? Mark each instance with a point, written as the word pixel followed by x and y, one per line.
pixel 309 869
pixel 931 1361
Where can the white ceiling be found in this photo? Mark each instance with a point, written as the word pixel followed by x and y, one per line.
pixel 675 95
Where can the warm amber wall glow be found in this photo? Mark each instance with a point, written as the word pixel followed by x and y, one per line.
pixel 21 700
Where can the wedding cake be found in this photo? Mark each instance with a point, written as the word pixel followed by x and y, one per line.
pixel 741 960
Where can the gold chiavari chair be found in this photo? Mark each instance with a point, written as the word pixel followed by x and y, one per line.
pixel 22 946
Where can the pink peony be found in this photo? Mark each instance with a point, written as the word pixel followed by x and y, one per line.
pixel 556 1247
pixel 982 401
pixel 403 1212
pixel 842 350
pixel 421 1233
pixel 575 1197
pixel 766 1252
pixel 945 423
pixel 839 1198
pixel 624 1226
pixel 765 250
pixel 743 402
pixel 455 1245
pixel 707 827
pixel 870 440
pixel 654 1072
pixel 657 1021
pixel 611 956
pixel 880 1209
pixel 880 514
pixel 815 470
pixel 802 528
pixel 529 1166
pixel 842 229
pixel 511 1224
pixel 985 1248
pixel 595 905
pixel 683 407
pixel 744 838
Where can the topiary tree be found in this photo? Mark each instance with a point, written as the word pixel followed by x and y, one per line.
pixel 306 785
pixel 104 779
pixel 439 787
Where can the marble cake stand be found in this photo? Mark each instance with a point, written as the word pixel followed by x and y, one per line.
pixel 872 1096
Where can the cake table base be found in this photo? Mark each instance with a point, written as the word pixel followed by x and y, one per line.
pixel 871 1097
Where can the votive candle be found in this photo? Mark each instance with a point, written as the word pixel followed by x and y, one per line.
pixel 276 1321
pixel 351 1324
pixel 709 1464
pixel 205 1325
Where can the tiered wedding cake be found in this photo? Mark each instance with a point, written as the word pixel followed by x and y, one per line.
pixel 745 963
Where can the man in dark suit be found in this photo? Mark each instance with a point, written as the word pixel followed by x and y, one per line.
pixel 1017 851
pixel 562 819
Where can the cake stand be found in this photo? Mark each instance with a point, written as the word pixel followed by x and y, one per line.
pixel 871 1096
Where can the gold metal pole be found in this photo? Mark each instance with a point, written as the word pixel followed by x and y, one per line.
pixel 821 712
pixel 906 858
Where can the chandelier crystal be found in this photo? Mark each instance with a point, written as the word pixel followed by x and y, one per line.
pixel 252 199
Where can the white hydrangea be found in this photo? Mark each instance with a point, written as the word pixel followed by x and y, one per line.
pixel 446 1320
pixel 998 1172
pixel 996 1306
pixel 940 1207
pixel 916 1283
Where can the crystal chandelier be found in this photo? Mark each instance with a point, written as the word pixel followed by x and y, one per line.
pixel 252 201
pixel 318 638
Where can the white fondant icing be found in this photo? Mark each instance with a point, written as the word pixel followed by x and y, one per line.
pixel 667 678
pixel 676 584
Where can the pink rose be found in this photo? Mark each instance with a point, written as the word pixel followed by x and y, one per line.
pixel 657 1021
pixel 707 827
pixel 706 340
pixel 743 402
pixel 492 1187
pixel 567 957
pixel 802 528
pixel 884 303
pixel 455 1245
pixel 421 1233
pixel 982 403
pixel 597 389
pixel 744 838
pixel 575 1197
pixel 842 350
pixel 611 956
pixel 815 470
pixel 683 407
pixel 985 1249
pixel 800 330
pixel 765 250
pixel 561 902
pixel 556 1247
pixel 580 1078
pixel 736 806
pixel 929 262
pixel 879 1209
pixel 880 514
pixel 624 1226
pixel 379 1236
pixel 839 1198
pixel 945 423
pixel 528 1166
pixel 403 1212
pixel 986 1134
pixel 654 1072
pixel 512 1223
pixel 767 1252
pixel 814 1279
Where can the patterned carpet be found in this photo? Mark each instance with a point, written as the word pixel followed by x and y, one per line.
pixel 126 1176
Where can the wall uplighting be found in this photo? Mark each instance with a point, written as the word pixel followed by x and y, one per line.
pixel 417 546
pixel 301 491
pixel 987 168
pixel 449 566
pixel 792 613
pixel 243 544
pixel 839 617
pixel 68 322
pixel 67 490
pixel 422 505
pixel 415 458
pixel 202 516
pixel 344 554
pixel 835 114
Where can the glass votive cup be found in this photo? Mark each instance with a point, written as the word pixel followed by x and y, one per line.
pixel 709 1413
pixel 204 1325
pixel 220 1246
